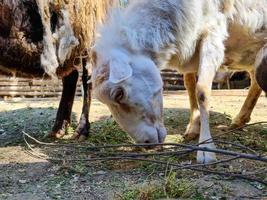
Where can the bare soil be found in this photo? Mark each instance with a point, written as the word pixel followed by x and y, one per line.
pixel 25 177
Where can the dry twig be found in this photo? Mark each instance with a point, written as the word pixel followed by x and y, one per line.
pixel 100 153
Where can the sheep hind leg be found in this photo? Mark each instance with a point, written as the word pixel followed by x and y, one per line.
pixel 63 117
pixel 244 115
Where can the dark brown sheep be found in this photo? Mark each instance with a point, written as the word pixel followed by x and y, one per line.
pixel 44 39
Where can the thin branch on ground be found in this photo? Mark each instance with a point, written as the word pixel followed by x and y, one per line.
pixel 105 153
pixel 187 147
pixel 177 166
pixel 133 156
pixel 77 145
pixel 233 130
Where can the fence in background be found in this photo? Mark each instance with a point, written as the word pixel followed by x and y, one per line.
pixel 23 87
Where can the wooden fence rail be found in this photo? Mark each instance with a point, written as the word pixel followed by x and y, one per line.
pixel 23 87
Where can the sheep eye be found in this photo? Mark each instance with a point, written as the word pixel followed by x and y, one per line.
pixel 118 94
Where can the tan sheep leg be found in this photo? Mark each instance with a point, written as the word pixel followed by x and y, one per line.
pixel 244 115
pixel 193 128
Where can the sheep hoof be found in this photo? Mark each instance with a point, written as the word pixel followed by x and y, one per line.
pixel 205 157
pixel 188 136
pixel 235 126
pixel 81 133
pixel 79 137
pixel 82 138
pixel 192 132
pixel 56 134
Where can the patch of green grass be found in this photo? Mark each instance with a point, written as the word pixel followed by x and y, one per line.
pixel 198 196
pixel 71 129
pixel 171 188
pixel 108 132
pixel 130 194
pixel 177 188
pixel 149 191
pixel 263 132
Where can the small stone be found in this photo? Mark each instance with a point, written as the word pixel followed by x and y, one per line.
pixel 2 132
pixel 75 177
pixel 189 162
pixel 22 181
pixel 55 168
pixel 259 186
pixel 100 172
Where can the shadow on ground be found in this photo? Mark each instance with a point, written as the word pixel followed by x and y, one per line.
pixel 38 122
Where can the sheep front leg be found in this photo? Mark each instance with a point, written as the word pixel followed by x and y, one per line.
pixel 192 130
pixel 82 131
pixel 203 91
pixel 211 58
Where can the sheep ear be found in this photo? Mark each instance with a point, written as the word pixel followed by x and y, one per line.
pixel 119 71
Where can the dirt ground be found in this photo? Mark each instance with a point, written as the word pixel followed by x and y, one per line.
pixel 24 177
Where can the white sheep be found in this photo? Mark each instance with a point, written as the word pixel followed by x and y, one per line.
pixel 193 37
